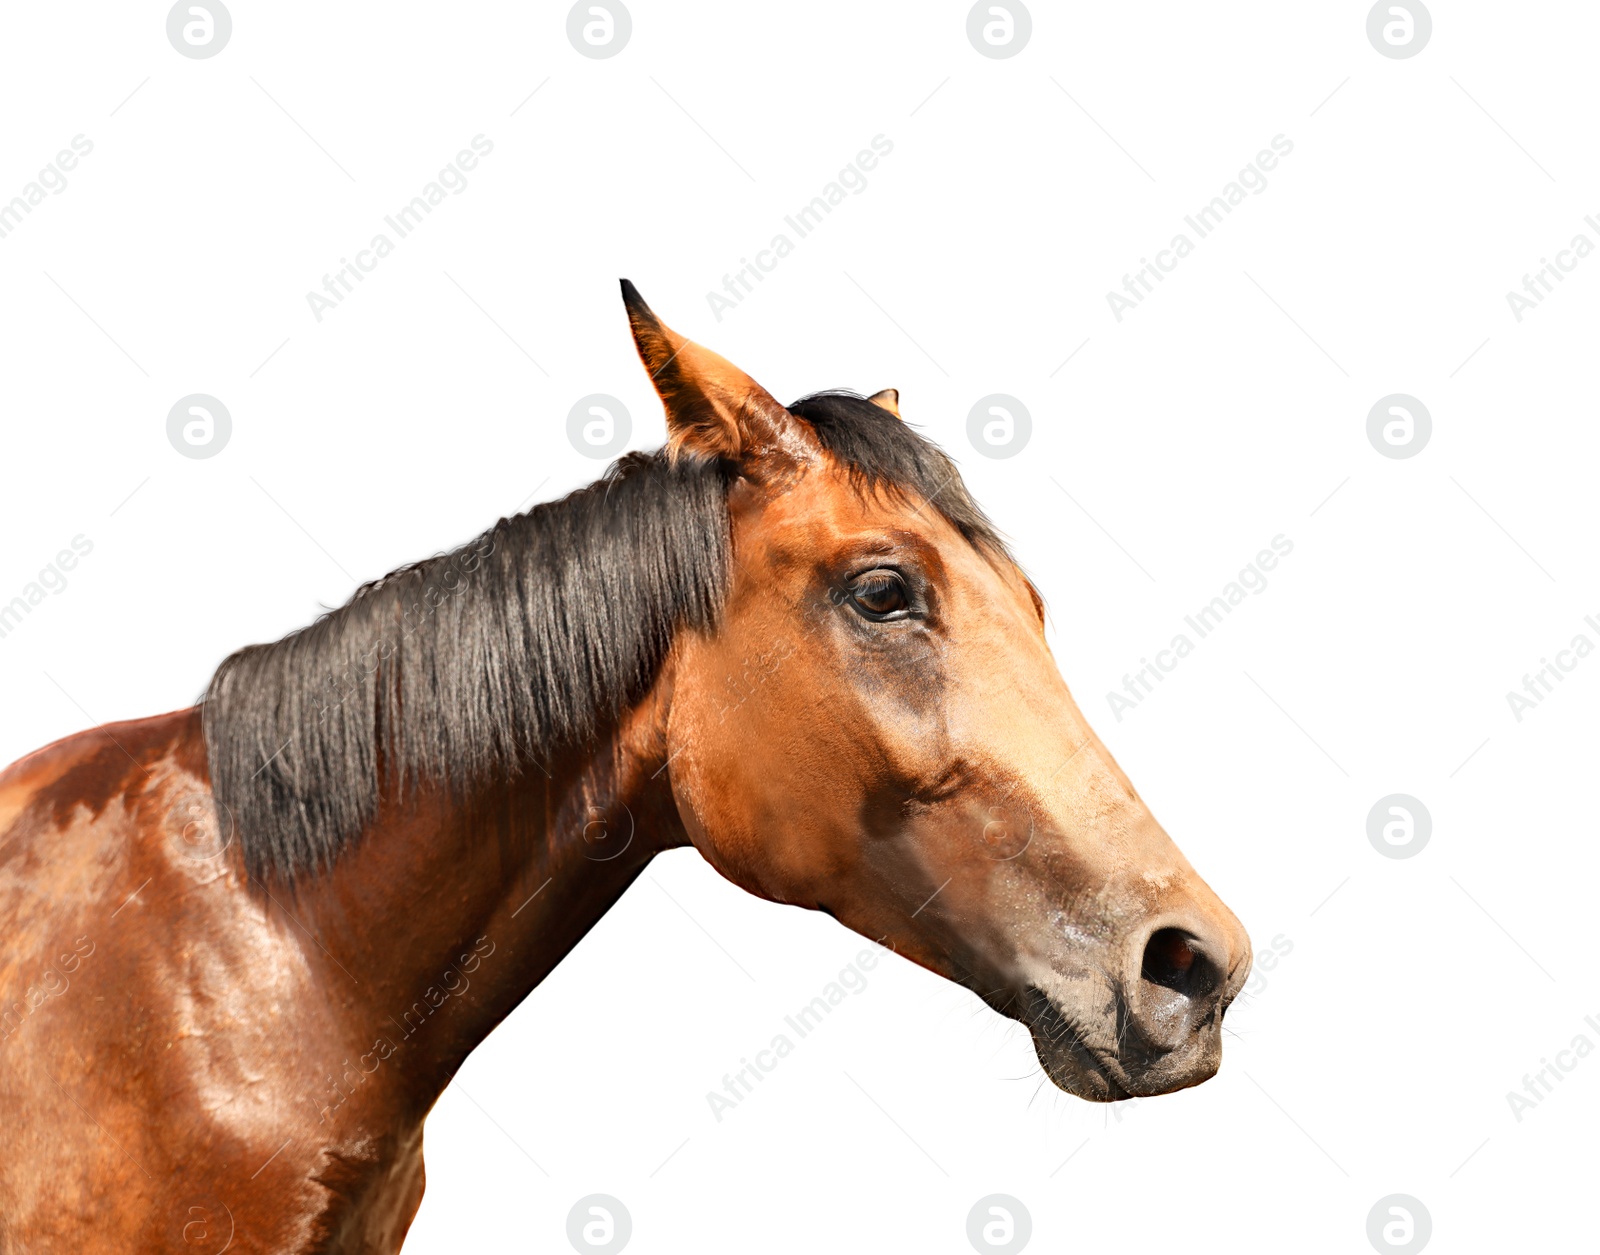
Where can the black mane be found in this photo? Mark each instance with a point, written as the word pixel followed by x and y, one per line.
pixel 465 668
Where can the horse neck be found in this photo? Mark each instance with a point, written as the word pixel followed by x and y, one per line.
pixel 449 912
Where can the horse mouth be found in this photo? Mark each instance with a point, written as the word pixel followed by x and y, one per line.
pixel 1068 1054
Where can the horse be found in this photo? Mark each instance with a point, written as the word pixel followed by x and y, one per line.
pixel 248 943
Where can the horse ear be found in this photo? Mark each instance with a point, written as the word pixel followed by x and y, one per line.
pixel 888 399
pixel 714 409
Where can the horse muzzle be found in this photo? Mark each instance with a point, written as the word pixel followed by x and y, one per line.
pixel 1149 1025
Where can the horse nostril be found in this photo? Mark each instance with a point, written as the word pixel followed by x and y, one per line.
pixel 1173 962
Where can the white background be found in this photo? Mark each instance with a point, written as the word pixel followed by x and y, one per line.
pixel 1376 1057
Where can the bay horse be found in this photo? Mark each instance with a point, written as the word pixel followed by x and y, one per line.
pixel 247 944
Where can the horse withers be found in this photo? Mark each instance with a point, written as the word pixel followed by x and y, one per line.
pixel 248 944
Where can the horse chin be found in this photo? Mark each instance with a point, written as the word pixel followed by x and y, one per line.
pixel 1080 1065
pixel 1069 1073
pixel 1067 1053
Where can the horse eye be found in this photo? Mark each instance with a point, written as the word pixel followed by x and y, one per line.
pixel 880 595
